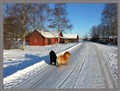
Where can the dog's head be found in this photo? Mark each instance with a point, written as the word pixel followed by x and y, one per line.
pixel 52 53
pixel 67 54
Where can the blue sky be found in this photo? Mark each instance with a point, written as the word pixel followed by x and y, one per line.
pixel 84 15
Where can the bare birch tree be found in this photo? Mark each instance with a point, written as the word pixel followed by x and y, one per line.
pixel 59 19
pixel 27 17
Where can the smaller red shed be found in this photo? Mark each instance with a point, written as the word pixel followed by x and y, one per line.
pixel 70 38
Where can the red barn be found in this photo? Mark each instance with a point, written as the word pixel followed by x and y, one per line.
pixel 41 38
pixel 70 38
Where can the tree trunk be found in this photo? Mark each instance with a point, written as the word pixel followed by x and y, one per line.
pixel 58 36
pixel 23 42
pixel 58 29
pixel 24 27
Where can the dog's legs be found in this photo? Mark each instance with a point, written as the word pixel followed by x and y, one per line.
pixel 66 63
pixel 59 65
pixel 50 62
pixel 58 61
pixel 55 62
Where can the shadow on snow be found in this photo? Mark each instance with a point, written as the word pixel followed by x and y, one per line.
pixel 32 60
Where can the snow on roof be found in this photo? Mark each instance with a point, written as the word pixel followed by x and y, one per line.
pixel 106 36
pixel 67 36
pixel 54 34
pixel 112 36
pixel 47 34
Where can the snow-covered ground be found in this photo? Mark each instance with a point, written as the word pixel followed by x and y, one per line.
pixel 24 69
pixel 16 59
pixel 18 65
pixel 110 53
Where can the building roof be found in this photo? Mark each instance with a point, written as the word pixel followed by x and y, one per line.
pixel 48 34
pixel 70 36
pixel 54 34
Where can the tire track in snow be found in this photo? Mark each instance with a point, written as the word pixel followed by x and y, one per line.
pixel 91 75
pixel 108 65
pixel 49 81
pixel 109 81
pixel 50 77
pixel 35 81
pixel 71 69
pixel 32 80
pixel 72 78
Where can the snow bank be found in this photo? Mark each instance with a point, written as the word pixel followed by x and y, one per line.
pixel 21 75
pixel 70 49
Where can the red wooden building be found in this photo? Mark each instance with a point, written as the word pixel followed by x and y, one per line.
pixel 70 38
pixel 41 38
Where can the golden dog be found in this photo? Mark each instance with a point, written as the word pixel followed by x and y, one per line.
pixel 63 59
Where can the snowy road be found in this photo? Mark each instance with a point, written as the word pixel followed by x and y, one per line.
pixel 87 69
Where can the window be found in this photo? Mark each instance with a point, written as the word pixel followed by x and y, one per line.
pixel 35 40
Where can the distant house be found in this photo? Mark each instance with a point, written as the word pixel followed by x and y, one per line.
pixel 103 39
pixel 112 39
pixel 42 38
pixel 70 38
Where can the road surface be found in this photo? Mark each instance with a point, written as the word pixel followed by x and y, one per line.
pixel 87 68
